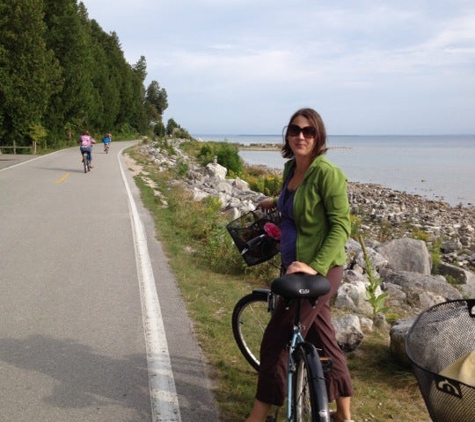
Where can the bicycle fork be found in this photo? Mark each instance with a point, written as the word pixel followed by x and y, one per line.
pixel 316 370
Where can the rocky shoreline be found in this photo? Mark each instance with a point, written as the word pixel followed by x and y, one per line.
pixel 387 212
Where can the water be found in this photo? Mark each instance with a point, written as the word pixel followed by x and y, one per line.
pixel 434 167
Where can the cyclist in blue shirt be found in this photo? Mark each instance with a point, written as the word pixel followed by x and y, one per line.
pixel 106 141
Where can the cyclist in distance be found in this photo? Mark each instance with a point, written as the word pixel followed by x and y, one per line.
pixel 106 141
pixel 86 142
pixel 314 230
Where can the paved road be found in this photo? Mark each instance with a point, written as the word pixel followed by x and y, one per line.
pixel 84 335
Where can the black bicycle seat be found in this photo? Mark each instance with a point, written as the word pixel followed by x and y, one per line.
pixel 300 286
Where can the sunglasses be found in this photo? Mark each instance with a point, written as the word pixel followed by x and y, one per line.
pixel 308 131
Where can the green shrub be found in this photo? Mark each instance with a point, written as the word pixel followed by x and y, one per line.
pixel 206 154
pixel 228 156
pixel 269 184
pixel 182 167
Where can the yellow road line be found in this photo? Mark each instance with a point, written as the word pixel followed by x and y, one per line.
pixel 62 179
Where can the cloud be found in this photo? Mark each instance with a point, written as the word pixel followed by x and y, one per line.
pixel 361 61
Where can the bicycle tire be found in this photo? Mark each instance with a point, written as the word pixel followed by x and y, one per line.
pixel 309 395
pixel 249 320
pixel 85 162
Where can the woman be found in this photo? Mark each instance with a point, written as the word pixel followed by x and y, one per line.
pixel 86 142
pixel 315 227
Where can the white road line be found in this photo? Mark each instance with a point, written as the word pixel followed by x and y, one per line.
pixel 27 161
pixel 164 399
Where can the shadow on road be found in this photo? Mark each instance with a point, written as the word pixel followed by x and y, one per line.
pixel 85 378
pixel 88 379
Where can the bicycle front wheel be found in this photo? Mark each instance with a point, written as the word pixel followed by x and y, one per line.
pixel 310 400
pixel 249 320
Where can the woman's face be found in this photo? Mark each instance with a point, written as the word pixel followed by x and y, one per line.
pixel 301 137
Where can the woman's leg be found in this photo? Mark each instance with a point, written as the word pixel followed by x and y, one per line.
pixel 259 412
pixel 272 380
pixel 322 334
pixel 343 408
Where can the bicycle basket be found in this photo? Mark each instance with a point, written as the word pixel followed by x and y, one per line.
pixel 441 348
pixel 251 236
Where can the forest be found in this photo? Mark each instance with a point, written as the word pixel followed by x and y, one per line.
pixel 60 74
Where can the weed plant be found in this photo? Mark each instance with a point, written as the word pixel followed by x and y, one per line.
pixel 377 301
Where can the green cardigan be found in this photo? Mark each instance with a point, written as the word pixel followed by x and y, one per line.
pixel 322 215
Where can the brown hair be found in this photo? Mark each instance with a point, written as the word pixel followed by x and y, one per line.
pixel 320 139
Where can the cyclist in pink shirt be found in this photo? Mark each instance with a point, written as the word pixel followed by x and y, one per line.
pixel 86 142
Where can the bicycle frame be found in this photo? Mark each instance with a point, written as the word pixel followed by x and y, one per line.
pixel 296 339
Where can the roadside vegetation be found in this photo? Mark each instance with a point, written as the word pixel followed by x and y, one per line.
pixel 213 277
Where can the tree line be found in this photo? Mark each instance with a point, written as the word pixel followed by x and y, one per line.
pixel 60 73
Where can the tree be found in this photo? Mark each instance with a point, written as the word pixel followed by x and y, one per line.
pixel 140 68
pixel 29 71
pixel 159 129
pixel 171 126
pixel 69 37
pixel 157 97
pixel 59 71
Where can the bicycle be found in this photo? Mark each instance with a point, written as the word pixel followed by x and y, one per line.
pixel 86 160
pixel 256 235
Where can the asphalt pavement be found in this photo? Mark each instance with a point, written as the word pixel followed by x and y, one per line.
pixel 93 326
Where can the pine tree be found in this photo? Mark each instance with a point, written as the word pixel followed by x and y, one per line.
pixel 29 71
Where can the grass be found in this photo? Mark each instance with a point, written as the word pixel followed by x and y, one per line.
pixel 212 278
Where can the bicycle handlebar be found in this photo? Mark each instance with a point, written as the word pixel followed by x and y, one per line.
pixel 259 246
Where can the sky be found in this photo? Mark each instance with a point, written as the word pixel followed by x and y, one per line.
pixel 369 67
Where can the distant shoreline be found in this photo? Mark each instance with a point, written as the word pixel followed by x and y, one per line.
pixel 270 147
pixel 259 147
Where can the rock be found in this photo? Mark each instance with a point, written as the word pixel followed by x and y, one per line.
pixel 397 335
pixel 348 332
pixel 216 170
pixel 417 287
pixel 406 255
pixel 462 276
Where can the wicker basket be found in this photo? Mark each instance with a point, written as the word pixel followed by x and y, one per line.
pixel 250 237
pixel 441 336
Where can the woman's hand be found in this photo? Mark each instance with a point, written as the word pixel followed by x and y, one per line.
pixel 300 267
pixel 267 204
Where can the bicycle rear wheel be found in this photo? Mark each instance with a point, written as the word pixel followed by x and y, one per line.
pixel 249 320
pixel 85 162
pixel 310 400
